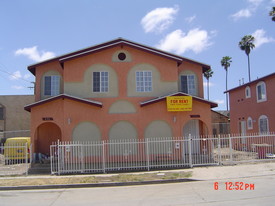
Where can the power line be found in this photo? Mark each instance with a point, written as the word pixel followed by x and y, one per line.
pixel 16 77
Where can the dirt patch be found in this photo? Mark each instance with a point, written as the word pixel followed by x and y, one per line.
pixel 79 179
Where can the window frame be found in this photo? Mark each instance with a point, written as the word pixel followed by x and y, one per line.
pixel 249 123
pixel 144 82
pixel 247 92
pixel 102 82
pixel 2 113
pixel 52 85
pixel 263 117
pixel 188 84
pixel 263 94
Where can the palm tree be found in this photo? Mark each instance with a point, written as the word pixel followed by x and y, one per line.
pixel 207 74
pixel 247 44
pixel 225 62
pixel 272 13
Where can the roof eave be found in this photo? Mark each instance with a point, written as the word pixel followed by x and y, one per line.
pixel 158 99
pixel 116 42
pixel 63 96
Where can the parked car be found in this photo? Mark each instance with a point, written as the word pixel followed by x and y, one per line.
pixel 16 149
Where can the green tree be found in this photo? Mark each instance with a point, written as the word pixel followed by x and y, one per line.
pixel 208 74
pixel 272 13
pixel 225 62
pixel 247 44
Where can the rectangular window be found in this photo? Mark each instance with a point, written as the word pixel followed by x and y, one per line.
pixel 100 81
pixel 52 85
pixel 188 85
pixel 1 113
pixel 144 81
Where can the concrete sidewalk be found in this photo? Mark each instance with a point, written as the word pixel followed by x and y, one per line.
pixel 198 173
pixel 235 171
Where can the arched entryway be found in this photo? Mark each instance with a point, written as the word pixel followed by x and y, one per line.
pixel 46 134
pixel 196 129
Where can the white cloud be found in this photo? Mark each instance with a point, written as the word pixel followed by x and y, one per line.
pixel 219 101
pixel 190 19
pixel 17 75
pixel 210 84
pixel 255 3
pixel 242 13
pixel 33 54
pixel 195 40
pixel 261 38
pixel 247 12
pixel 158 19
pixel 26 76
pixel 17 87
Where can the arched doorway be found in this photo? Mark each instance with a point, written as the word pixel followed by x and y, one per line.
pixel 46 134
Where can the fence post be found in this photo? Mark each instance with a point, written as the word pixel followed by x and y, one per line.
pixel 82 157
pixel 230 148
pixel 103 157
pixel 190 150
pixel 26 157
pixel 219 150
pixel 147 154
pixel 58 158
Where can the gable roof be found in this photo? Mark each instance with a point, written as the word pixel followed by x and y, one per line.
pixel 62 96
pixel 116 42
pixel 251 82
pixel 158 99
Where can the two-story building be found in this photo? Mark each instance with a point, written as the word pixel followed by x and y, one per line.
pixel 116 90
pixel 252 106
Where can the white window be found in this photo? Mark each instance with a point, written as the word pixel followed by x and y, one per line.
pixel 263 124
pixel 52 85
pixel 188 84
pixel 143 81
pixel 261 92
pixel 100 81
pixel 249 123
pixel 247 92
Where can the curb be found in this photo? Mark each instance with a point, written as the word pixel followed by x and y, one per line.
pixel 113 184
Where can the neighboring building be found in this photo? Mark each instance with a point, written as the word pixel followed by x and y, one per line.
pixel 221 122
pixel 116 90
pixel 252 106
pixel 13 117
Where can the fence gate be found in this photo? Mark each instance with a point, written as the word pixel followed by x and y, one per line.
pixel 15 159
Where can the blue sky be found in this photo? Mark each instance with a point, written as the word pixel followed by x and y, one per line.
pixel 34 30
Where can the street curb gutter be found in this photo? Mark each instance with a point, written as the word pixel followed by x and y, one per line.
pixel 112 184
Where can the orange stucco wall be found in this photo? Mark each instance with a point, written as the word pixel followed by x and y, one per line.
pixel 241 107
pixel 66 114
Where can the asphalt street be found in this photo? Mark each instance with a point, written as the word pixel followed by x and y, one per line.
pixel 257 190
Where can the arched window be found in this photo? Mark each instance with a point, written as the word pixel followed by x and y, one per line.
pixel 188 83
pixel 52 85
pixel 261 92
pixel 249 123
pixel 263 124
pixel 247 92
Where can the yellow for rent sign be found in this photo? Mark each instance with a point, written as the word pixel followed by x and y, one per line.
pixel 179 103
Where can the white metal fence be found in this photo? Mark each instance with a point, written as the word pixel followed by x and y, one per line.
pixel 157 153
pixel 15 159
